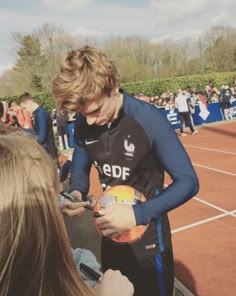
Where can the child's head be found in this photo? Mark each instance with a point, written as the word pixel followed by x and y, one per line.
pixel 28 102
pixel 35 253
pixel 85 74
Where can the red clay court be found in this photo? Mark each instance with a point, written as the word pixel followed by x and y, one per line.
pixel 204 229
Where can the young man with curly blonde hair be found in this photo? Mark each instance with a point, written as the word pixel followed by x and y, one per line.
pixel 130 142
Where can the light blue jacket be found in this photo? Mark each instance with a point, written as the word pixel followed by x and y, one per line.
pixel 88 258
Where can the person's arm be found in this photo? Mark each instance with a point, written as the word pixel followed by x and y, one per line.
pixel 20 116
pixel 81 166
pixel 176 103
pixel 17 124
pixel 175 161
pixel 28 119
pixel 79 178
pixel 173 158
pixel 42 126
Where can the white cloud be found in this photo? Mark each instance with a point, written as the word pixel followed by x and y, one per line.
pixel 117 20
pixel 4 68
pixel 65 4
pixel 86 32
pixel 188 34
pixel 175 16
pixel 160 19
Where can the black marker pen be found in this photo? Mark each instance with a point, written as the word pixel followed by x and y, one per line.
pixel 92 274
pixel 71 198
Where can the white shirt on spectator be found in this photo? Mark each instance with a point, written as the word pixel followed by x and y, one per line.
pixel 181 103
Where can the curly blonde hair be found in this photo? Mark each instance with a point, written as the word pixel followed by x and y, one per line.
pixel 85 74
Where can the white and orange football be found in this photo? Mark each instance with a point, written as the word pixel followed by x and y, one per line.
pixel 122 194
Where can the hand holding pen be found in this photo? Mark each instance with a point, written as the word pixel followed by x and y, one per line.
pixel 72 204
pixel 111 280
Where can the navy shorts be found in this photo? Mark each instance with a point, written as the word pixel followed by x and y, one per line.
pixel 150 276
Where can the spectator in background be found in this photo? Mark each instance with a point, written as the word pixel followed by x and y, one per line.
pixel 12 118
pixel 1 111
pixel 144 98
pixel 192 101
pixel 54 121
pixel 5 111
pixel 152 99
pixel 202 100
pixel 170 102
pixel 22 115
pixel 208 91
pixel 234 82
pixel 211 84
pixel 214 97
pixel 9 116
pixel 193 97
pixel 226 96
pixel 181 103
pixel 42 124
pixel 156 101
pixel 61 121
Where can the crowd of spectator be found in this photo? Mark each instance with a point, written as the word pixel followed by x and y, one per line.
pixel 13 114
pixel 210 94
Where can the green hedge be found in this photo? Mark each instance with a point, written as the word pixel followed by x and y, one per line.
pixel 44 99
pixel 151 87
pixel 157 87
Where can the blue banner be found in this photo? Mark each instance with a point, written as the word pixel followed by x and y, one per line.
pixel 203 114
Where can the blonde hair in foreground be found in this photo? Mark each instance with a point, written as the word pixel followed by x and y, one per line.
pixel 36 258
pixel 85 74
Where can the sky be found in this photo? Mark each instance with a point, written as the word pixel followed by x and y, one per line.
pixel 153 19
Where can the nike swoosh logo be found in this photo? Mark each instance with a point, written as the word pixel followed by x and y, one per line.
pixel 90 142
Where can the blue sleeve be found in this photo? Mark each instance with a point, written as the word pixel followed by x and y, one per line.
pixel 81 165
pixel 174 160
pixel 42 126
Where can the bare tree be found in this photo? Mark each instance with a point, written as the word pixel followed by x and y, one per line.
pixel 220 45
pixel 55 42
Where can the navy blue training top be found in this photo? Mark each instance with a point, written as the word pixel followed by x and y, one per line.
pixel 135 149
pixel 42 125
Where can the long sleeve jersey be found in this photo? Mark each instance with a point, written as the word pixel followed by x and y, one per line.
pixel 135 149
pixel 42 125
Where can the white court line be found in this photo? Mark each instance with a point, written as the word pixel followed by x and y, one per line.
pixel 231 213
pixel 212 169
pixel 210 204
pixel 203 222
pixel 234 214
pixel 226 213
pixel 208 149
